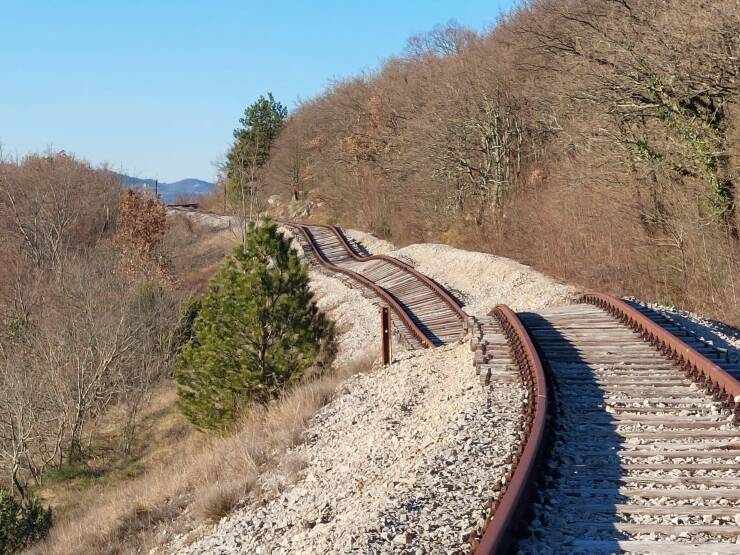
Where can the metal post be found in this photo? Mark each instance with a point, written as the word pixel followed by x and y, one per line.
pixel 385 331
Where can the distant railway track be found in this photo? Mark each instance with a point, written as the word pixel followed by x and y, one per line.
pixel 640 450
pixel 424 314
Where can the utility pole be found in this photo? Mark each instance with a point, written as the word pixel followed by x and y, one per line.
pixel 156 189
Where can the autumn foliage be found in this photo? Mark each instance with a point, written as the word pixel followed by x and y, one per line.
pixel 142 222
pixel 595 140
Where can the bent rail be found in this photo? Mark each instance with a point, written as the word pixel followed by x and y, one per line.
pixel 321 259
pixel 433 285
pixel 508 507
pixel 392 303
pixel 716 381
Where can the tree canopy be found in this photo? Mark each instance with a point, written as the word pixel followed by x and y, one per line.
pixel 262 122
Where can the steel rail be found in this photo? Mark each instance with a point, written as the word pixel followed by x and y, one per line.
pixel 434 286
pixel 506 509
pixel 715 380
pixel 323 261
pixel 382 293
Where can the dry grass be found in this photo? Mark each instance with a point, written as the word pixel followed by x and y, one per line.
pixel 187 478
pixel 217 500
pixel 196 251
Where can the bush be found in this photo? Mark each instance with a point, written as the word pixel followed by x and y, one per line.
pixel 142 222
pixel 21 524
pixel 257 330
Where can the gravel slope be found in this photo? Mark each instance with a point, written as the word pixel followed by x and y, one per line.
pixel 356 317
pixel 388 466
pixel 403 459
pixel 484 280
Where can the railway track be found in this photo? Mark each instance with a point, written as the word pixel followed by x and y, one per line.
pixel 423 312
pixel 636 456
pixel 629 440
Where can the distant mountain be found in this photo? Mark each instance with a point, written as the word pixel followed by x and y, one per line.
pixel 169 192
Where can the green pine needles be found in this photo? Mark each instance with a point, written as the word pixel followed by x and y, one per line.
pixel 257 330
pixel 21 523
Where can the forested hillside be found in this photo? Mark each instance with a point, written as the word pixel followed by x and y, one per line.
pixel 88 330
pixel 596 140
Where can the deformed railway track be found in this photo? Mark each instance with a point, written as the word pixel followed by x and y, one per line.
pixel 630 439
pixel 425 314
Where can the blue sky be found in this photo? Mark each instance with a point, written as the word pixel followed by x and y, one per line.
pixel 155 88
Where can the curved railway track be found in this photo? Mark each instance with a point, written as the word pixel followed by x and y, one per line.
pixel 429 314
pixel 637 455
pixel 629 440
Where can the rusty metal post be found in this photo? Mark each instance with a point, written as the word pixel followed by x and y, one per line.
pixel 385 334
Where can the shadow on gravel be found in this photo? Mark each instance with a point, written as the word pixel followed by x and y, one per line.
pixel 579 484
pixel 357 246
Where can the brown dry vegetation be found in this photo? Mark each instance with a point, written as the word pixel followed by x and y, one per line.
pixel 196 251
pixel 596 140
pixel 184 478
pixel 85 335
pixel 92 298
pixel 77 337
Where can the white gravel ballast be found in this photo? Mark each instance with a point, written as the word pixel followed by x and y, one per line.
pixel 401 462
pixel 404 459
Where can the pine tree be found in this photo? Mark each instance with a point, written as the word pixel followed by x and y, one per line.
pixel 21 523
pixel 258 330
pixel 260 127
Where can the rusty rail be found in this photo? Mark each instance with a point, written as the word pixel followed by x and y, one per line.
pixel 322 260
pixel 392 303
pixel 716 381
pixel 434 286
pixel 509 502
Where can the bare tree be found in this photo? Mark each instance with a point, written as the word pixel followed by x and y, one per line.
pixel 664 74
pixel 443 40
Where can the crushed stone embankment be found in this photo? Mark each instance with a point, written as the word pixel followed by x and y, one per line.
pixel 402 460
